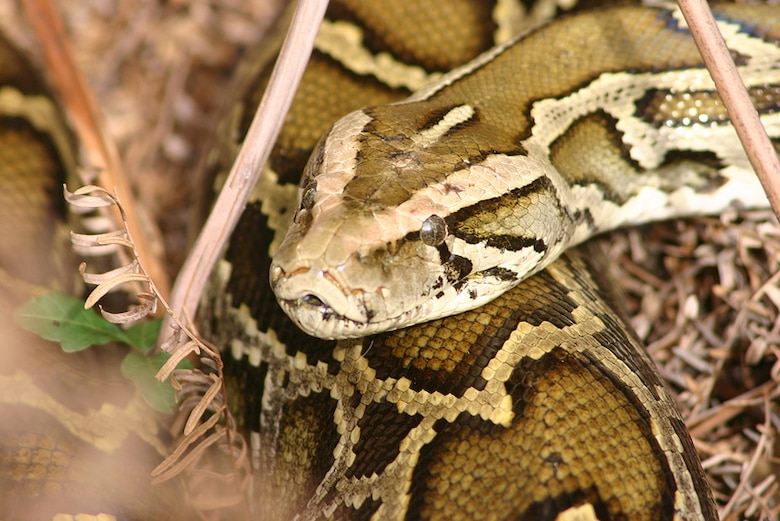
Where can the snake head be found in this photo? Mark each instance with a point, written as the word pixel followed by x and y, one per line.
pixel 398 224
pixel 336 271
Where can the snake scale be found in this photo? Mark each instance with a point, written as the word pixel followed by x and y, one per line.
pixel 538 404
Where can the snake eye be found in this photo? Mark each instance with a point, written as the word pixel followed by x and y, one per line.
pixel 307 200
pixel 433 231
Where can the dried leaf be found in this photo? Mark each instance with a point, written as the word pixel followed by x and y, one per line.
pixel 106 239
pixel 89 197
pixel 134 314
pixel 102 289
pixel 99 278
pixel 87 244
pixel 178 460
pixel 203 405
pixel 175 357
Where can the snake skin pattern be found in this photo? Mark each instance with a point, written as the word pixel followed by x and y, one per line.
pixel 76 438
pixel 434 206
pixel 538 405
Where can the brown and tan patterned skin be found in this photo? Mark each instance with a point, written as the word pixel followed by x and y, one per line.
pixel 569 396
pixel 37 155
pixel 485 151
pixel 539 405
pixel 76 438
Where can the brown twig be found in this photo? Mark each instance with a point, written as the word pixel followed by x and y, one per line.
pixel 89 125
pixel 253 155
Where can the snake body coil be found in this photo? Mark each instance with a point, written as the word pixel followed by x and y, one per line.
pixel 538 404
pixel 527 396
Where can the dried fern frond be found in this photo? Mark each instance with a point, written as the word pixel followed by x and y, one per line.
pixel 212 456
pixel 209 431
pixel 90 198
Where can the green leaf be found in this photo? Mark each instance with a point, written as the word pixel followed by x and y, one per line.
pixel 141 370
pixel 143 335
pixel 63 319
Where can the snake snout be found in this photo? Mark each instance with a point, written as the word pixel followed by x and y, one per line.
pixel 313 298
pixel 324 305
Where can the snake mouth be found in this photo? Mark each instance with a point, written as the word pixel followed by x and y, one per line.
pixel 342 314
pixel 316 304
pixel 318 319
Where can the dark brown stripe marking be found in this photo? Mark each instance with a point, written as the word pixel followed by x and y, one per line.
pixel 382 429
pixel 469 224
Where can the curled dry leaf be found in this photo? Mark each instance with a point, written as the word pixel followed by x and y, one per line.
pixel 187 459
pixel 89 198
pixel 90 245
pixel 177 355
pixel 206 401
pixel 148 306
pixel 100 278
pixel 102 289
